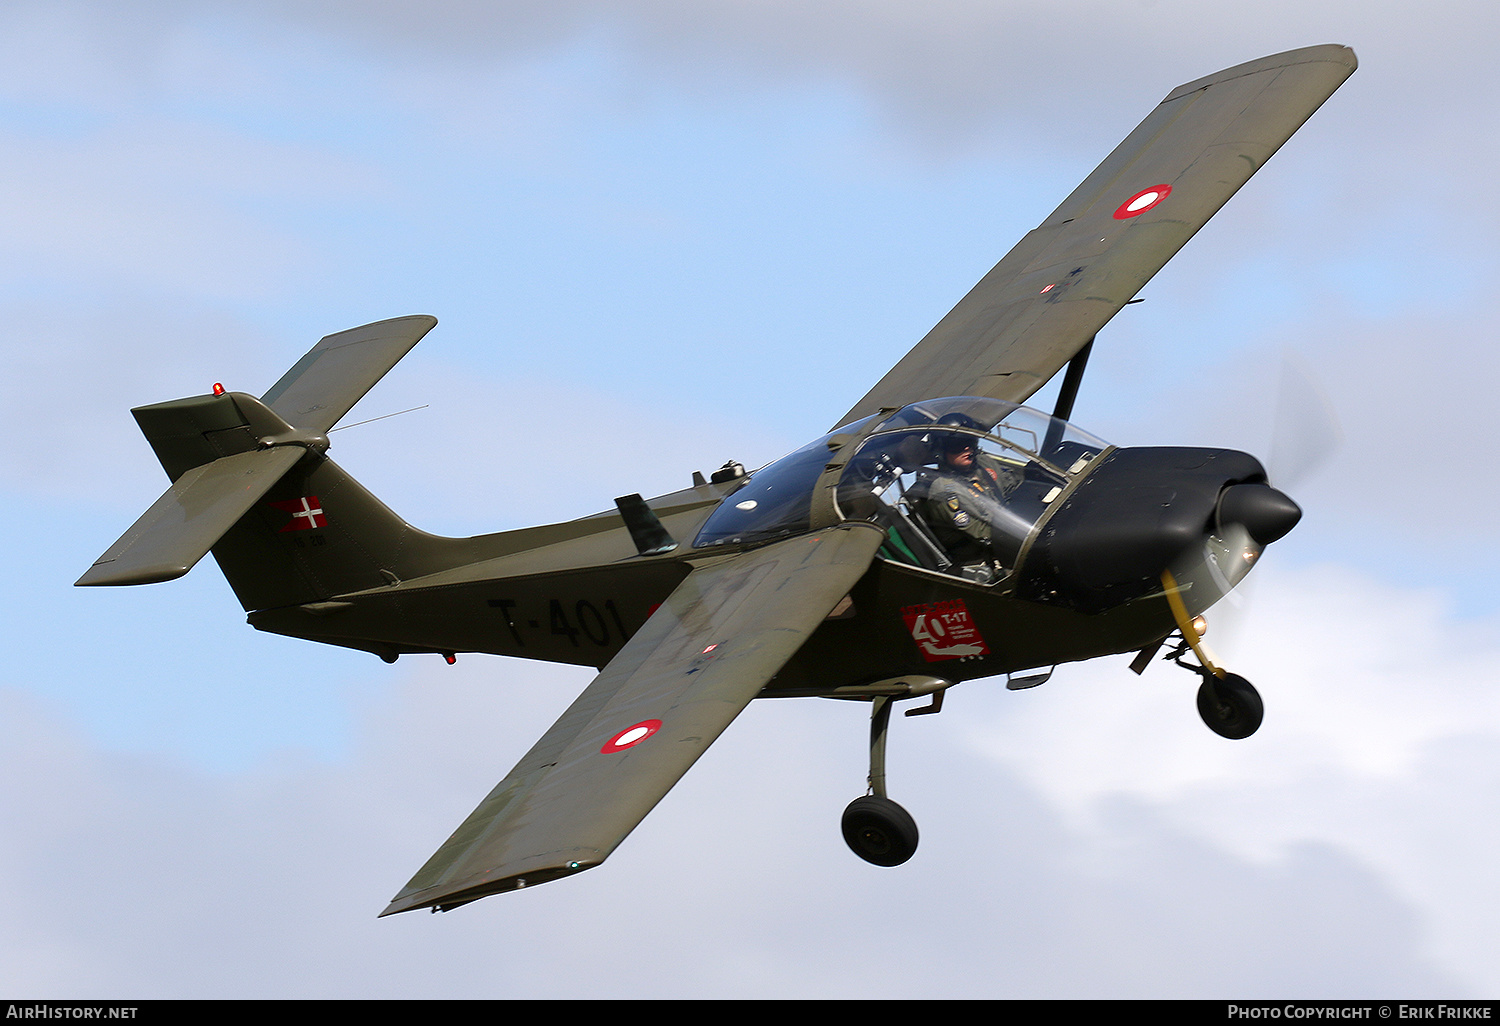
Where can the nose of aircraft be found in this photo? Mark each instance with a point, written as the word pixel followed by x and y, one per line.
pixel 1143 510
pixel 1267 513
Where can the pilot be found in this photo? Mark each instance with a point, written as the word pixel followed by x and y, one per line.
pixel 965 501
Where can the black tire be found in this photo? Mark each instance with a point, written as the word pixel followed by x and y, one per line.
pixel 879 831
pixel 1230 706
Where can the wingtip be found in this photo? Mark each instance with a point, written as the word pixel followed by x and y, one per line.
pixel 103 574
pixel 443 898
pixel 1325 53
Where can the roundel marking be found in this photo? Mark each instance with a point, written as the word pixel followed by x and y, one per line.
pixel 632 735
pixel 1142 201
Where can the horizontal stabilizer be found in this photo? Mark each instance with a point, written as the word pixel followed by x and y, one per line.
pixel 181 526
pixel 338 371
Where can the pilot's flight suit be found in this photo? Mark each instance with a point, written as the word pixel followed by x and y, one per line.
pixel 962 508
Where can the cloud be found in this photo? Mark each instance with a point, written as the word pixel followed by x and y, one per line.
pixel 154 879
pixel 1375 696
pixel 198 810
pixel 942 73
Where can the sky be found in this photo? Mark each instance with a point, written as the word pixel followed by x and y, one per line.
pixel 659 235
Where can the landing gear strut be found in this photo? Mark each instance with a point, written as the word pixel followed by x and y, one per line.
pixel 876 828
pixel 1227 702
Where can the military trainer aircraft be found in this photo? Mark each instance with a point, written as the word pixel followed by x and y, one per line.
pixel 939 533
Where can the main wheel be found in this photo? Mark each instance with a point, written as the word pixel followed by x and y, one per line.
pixel 1230 706
pixel 880 831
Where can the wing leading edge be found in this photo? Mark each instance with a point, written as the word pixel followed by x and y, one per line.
pixel 631 735
pixel 1064 281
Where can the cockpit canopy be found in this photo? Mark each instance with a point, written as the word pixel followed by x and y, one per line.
pixel 959 483
pixel 777 500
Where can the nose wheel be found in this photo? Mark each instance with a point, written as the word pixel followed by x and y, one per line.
pixel 1230 706
pixel 1227 702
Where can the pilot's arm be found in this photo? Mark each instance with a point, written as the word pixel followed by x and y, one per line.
pixel 956 514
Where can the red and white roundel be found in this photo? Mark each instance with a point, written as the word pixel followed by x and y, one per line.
pixel 1142 201
pixel 632 735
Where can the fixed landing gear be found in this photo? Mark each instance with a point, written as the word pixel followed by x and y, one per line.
pixel 1230 706
pixel 879 831
pixel 876 828
pixel 1228 703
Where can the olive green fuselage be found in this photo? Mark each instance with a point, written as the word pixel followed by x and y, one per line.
pixel 580 599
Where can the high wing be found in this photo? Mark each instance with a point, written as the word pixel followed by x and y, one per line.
pixel 685 675
pixel 1063 282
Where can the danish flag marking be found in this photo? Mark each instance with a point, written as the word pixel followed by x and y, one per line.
pixel 306 513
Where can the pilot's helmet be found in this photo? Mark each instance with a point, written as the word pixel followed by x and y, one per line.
pixel 945 442
pixel 957 419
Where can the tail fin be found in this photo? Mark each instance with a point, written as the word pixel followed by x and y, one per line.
pixel 318 533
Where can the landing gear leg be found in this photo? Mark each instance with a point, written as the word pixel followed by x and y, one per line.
pixel 876 828
pixel 1227 702
pixel 880 722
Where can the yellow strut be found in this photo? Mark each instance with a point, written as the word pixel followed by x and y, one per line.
pixel 1185 622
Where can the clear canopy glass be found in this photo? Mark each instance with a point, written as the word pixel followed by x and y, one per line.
pixel 958 483
pixel 961 483
pixel 1032 432
pixel 777 500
